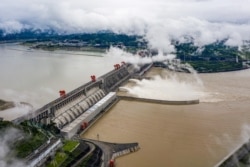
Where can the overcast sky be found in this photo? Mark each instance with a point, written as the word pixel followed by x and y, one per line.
pixel 158 20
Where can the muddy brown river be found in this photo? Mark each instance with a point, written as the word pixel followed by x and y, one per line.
pixel 182 136
pixel 169 136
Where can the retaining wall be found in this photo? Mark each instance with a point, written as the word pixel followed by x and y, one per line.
pixel 168 102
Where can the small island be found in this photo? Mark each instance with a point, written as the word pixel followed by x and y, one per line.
pixel 6 105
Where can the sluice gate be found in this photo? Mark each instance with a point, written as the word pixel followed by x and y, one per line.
pixel 72 104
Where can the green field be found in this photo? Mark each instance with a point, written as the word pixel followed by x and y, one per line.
pixel 60 157
pixel 70 145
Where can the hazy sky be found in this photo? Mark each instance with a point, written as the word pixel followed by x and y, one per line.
pixel 158 20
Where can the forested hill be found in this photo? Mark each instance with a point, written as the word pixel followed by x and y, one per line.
pixel 104 39
pixel 213 57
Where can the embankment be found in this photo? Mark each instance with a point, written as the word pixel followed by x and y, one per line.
pixel 167 102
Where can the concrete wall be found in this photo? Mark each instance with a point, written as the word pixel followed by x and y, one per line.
pixel 43 154
pixel 185 102
pixel 239 154
pixel 107 82
pixel 87 117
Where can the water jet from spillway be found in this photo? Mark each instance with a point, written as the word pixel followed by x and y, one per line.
pixel 124 89
pixel 169 86
pixel 134 81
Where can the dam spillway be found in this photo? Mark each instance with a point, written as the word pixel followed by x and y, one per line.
pixel 90 91
pixel 65 109
pixel 71 109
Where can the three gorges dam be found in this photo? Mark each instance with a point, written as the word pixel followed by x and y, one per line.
pixel 76 110
pixel 74 113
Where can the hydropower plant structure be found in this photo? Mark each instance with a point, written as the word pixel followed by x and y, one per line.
pixel 69 106
pixel 74 111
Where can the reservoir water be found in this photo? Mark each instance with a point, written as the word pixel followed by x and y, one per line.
pixel 170 136
pixel 36 76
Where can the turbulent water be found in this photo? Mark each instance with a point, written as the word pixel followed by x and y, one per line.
pixel 36 76
pixel 172 136
pixel 182 136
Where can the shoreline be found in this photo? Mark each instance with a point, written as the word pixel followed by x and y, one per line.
pixel 52 48
pixel 226 71
pixel 68 48
pixel 4 105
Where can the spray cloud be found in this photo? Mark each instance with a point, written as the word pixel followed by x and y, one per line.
pixel 170 87
pixel 136 59
pixel 8 136
pixel 160 21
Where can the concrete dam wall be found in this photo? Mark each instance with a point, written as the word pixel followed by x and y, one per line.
pixel 168 102
pixel 66 108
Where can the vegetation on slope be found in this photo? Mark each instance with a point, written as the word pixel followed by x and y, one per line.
pixel 215 57
pixel 71 152
pixel 26 141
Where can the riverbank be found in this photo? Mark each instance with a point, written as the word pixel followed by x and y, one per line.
pixel 217 66
pixel 201 66
pixel 69 48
